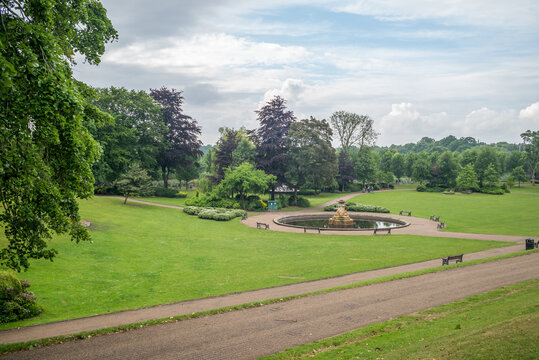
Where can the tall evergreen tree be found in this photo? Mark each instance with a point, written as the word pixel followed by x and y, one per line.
pixel 271 138
pixel 181 147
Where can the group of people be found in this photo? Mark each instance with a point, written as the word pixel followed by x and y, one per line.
pixel 368 189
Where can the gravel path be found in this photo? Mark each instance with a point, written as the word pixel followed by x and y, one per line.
pixel 264 330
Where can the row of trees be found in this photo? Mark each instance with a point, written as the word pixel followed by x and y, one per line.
pixel 298 153
pixel 146 128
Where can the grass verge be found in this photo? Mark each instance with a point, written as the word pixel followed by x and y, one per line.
pixel 500 324
pixel 29 345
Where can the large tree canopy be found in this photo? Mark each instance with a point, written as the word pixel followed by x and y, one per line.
pixel 46 153
pixel 353 129
pixel 135 134
pixel 182 144
pixel 271 137
pixel 311 158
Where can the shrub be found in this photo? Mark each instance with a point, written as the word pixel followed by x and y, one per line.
pixel 284 201
pixel 302 202
pixel 376 187
pixel 219 214
pixel 366 208
pixel 212 200
pixel 166 192
pixel 350 206
pixel 16 302
pixel 181 194
pixel 106 190
pixel 492 191
pixel 421 188
pixel 256 204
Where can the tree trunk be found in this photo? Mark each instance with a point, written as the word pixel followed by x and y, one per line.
pixel 164 172
pixel 125 200
pixel 295 196
pixel 273 193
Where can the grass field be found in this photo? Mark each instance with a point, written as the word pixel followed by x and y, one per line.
pixel 501 324
pixel 516 213
pixel 143 255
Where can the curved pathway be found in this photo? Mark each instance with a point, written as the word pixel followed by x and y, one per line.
pixel 264 330
pixel 418 226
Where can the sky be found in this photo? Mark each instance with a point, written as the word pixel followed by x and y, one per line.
pixel 416 67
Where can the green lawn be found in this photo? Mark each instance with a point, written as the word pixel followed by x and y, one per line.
pixel 516 213
pixel 501 324
pixel 168 201
pixel 144 255
pixel 314 200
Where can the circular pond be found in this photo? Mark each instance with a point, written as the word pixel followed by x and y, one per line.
pixel 361 222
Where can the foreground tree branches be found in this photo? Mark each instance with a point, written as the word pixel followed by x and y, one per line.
pixel 46 153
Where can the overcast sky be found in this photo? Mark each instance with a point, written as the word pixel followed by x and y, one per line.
pixel 417 67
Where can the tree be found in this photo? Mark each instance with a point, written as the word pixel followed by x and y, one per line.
pixel 531 143
pixel 467 179
pixel 519 174
pixel 244 152
pixel 398 166
pixel 181 147
pixel 421 170
pixel 243 180
pixel 486 157
pixel 353 129
pixel 187 173
pixel 510 181
pixel 449 169
pixel 271 138
pixel 365 164
pixel 135 133
pixel 46 153
pixel 135 182
pixel 347 171
pixel 311 158
pixel 225 147
pixel 491 176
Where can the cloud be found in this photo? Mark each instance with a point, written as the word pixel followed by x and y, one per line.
pixel 205 51
pixel 530 113
pixel 291 90
pixel 520 13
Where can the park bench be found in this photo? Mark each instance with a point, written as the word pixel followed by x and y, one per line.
pixel 531 244
pixel 441 225
pixel 388 231
pixel 457 258
pixel 262 226
pixel 243 216
pixel 315 229
pixel 409 213
pixel 435 218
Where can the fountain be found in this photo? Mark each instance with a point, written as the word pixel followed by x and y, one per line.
pixel 341 219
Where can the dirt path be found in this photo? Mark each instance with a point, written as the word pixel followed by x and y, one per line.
pixel 264 330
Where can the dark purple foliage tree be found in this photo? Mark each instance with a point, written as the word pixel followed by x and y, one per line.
pixel 271 138
pixel 181 147
pixel 347 171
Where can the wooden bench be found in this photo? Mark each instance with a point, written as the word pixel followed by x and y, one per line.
pixel 435 218
pixel 388 231
pixel 405 212
pixel 441 225
pixel 315 229
pixel 457 258
pixel 262 226
pixel 531 244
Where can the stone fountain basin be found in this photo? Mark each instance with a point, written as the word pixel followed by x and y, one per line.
pixel 395 223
